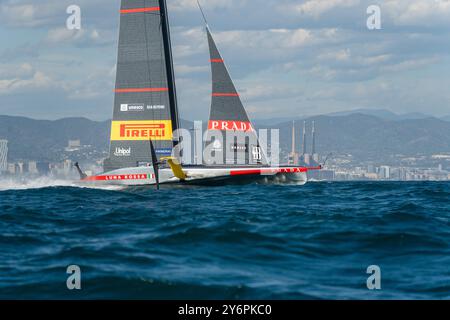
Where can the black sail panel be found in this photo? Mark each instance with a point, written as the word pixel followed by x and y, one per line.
pixel 145 101
pixel 228 116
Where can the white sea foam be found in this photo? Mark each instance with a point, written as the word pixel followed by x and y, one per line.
pixel 45 182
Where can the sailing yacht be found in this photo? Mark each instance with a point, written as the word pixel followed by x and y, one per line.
pixel 145 115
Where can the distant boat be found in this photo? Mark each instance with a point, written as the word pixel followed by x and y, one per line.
pixel 146 114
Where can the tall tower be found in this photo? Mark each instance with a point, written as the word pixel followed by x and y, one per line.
pixel 293 156
pixel 313 133
pixel 3 155
pixel 293 137
pixel 315 155
pixel 304 139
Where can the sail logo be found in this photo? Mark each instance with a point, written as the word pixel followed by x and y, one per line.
pixel 131 107
pixel 239 147
pixel 122 152
pixel 257 153
pixel 156 107
pixel 141 130
pixel 230 125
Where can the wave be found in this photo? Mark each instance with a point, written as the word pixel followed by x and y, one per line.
pixel 231 242
pixel 7 184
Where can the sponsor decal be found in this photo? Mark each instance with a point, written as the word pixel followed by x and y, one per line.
pixel 122 152
pixel 271 171
pixel 230 125
pixel 156 107
pixel 119 177
pixel 141 130
pixel 239 147
pixel 164 151
pixel 257 154
pixel 131 107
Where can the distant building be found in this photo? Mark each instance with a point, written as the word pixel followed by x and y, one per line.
pixel 307 159
pixel 68 167
pixel 371 176
pixel 43 168
pixel 20 168
pixel 385 172
pixel 316 158
pixel 321 175
pixel 32 167
pixel 73 145
pixel 3 155
pixel 11 168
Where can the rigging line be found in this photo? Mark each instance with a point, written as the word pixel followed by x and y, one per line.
pixel 203 13
pixel 148 67
pixel 162 73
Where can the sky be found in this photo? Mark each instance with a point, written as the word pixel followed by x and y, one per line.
pixel 288 58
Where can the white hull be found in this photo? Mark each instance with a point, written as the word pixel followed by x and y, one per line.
pixel 142 176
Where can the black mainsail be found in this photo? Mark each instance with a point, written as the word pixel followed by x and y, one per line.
pixel 228 119
pixel 145 104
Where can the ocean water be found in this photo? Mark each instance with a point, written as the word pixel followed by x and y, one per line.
pixel 236 242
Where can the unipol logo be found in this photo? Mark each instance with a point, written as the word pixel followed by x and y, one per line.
pixel 73 22
pixel 122 152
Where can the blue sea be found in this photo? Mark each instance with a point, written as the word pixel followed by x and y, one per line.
pixel 235 242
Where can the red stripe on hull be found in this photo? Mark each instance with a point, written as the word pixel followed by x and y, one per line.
pixel 272 171
pixel 217 60
pixel 139 10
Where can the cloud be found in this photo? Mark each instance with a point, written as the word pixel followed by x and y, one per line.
pixel 27 14
pixel 80 38
pixel 182 5
pixel 24 79
pixel 316 8
pixel 431 13
pixel 184 70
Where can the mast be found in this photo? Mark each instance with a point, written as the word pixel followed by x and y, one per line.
pixel 169 67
